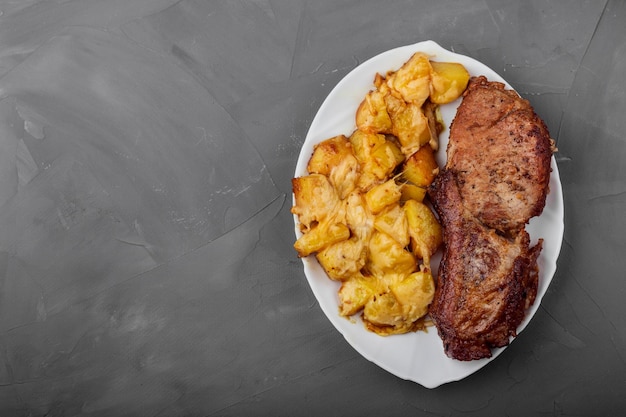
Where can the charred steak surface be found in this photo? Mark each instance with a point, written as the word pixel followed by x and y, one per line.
pixel 495 179
pixel 486 280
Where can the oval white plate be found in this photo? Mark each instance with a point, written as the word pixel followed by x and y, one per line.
pixel 418 357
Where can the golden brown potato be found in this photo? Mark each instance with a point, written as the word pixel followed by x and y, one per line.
pixel 345 176
pixel 412 80
pixel 364 143
pixel 328 154
pixel 344 259
pixel 379 82
pixel 388 259
pixel 415 293
pixel 383 310
pixel 386 316
pixel 355 292
pixel 393 222
pixel 363 146
pixel 394 103
pixel 421 168
pixel 384 160
pixel 412 192
pixel 383 195
pixel 425 231
pixel 315 200
pixel 357 216
pixel 320 237
pixel 334 158
pixel 372 116
pixel 449 80
pixel 410 126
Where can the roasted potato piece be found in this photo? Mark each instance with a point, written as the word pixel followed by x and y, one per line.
pixel 355 292
pixel 345 176
pixel 357 216
pixel 412 80
pixel 328 154
pixel 415 293
pixel 421 168
pixel 383 195
pixel 334 158
pixel 344 259
pixel 388 258
pixel 448 81
pixel 315 200
pixel 385 159
pixel 393 222
pixel 383 310
pixel 412 192
pixel 410 126
pixel 380 166
pixel 364 143
pixel 380 82
pixel 394 104
pixel 424 229
pixel 372 116
pixel 320 237
pixel 367 180
pixel 402 308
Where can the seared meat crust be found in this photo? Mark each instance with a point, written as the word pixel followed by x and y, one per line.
pixel 500 152
pixel 485 283
pixel 495 179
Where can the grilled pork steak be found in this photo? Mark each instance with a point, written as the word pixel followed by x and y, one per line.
pixel 500 152
pixel 485 283
pixel 495 179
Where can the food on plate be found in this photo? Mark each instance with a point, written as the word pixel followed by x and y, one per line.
pixel 361 208
pixel 421 167
pixel 448 81
pixel 424 229
pixel 402 105
pixel 500 153
pixel 495 179
pixel 485 282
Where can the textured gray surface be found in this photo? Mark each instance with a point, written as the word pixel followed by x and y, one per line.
pixel 146 151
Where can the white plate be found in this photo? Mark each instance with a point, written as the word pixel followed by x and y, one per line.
pixel 418 357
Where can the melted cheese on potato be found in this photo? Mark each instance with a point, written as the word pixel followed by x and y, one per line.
pixel 360 208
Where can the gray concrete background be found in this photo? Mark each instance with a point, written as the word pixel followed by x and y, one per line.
pixel 146 152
